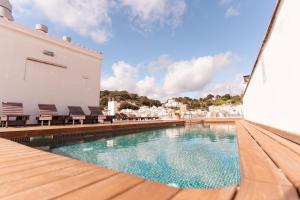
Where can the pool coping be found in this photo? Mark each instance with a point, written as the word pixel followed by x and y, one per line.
pixel 108 184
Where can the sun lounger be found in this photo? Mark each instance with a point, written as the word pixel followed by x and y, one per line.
pixel 132 117
pixel 96 115
pixel 76 113
pixel 48 112
pixel 13 114
pixel 124 116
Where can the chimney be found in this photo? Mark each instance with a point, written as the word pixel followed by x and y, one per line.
pixel 246 79
pixel 6 10
pixel 41 27
pixel 67 39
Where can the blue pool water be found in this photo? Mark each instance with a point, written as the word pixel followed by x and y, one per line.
pixel 186 157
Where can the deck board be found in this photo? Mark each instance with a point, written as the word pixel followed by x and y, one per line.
pixel 290 165
pixel 269 166
pixel 261 178
pixel 193 194
pixel 105 189
pixel 21 182
pixel 148 191
pixel 60 187
pixel 43 170
pixel 291 145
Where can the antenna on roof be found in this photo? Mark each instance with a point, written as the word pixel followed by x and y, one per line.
pixel 6 10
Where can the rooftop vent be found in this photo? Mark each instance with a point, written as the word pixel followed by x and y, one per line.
pixel 6 10
pixel 41 27
pixel 67 38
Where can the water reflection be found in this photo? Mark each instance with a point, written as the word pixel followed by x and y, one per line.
pixel 191 157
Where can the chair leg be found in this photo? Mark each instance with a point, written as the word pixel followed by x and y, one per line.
pixel 42 123
pixel 73 122
pixel 49 122
pixel 81 122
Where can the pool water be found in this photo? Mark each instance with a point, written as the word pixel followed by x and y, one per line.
pixel 195 156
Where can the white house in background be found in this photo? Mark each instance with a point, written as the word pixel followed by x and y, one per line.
pixel 36 68
pixel 226 110
pixel 171 103
pixel 272 96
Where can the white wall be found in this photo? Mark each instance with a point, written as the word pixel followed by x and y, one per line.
pixel 273 94
pixel 32 83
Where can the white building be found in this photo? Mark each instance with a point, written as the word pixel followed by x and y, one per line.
pixel 36 68
pixel 171 103
pixel 226 110
pixel 272 96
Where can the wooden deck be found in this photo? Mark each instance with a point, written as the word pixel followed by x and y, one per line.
pixel 122 126
pixel 269 164
pixel 213 120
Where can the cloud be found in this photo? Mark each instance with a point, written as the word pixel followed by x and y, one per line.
pixel 234 87
pixel 193 75
pixel 180 77
pixel 232 12
pixel 146 13
pixel 160 64
pixel 92 18
pixel 86 18
pixel 123 77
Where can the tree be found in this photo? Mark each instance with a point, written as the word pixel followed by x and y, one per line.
pixel 126 105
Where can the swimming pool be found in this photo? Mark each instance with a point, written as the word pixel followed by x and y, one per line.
pixel 197 156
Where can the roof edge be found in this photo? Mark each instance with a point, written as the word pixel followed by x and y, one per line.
pixel 42 36
pixel 266 39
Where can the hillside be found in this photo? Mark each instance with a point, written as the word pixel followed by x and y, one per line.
pixel 210 100
pixel 128 100
pixel 134 101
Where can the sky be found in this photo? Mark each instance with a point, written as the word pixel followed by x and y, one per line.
pixel 161 48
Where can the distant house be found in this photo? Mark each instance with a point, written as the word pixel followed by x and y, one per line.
pixel 226 110
pixel 171 103
pixel 37 68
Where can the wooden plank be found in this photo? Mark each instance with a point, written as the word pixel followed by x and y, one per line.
pixel 287 143
pixel 20 156
pixel 32 165
pixel 60 172
pixel 63 186
pixel 21 175
pixel 25 161
pixel 148 191
pixel 105 189
pixel 287 160
pixel 98 129
pixel 215 194
pixel 264 191
pixel 285 134
pixel 258 168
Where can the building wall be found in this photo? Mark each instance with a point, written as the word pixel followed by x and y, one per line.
pixel 273 94
pixel 74 82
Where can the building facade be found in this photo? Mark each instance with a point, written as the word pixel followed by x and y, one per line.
pixel 272 96
pixel 39 69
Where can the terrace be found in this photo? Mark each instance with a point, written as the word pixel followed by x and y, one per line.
pixel 269 169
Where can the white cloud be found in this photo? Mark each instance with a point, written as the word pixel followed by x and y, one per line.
pixel 233 87
pixel 149 86
pixel 165 12
pixel 193 75
pixel 124 77
pixel 158 65
pixel 92 18
pixel 180 77
pixel 87 18
pixel 232 12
